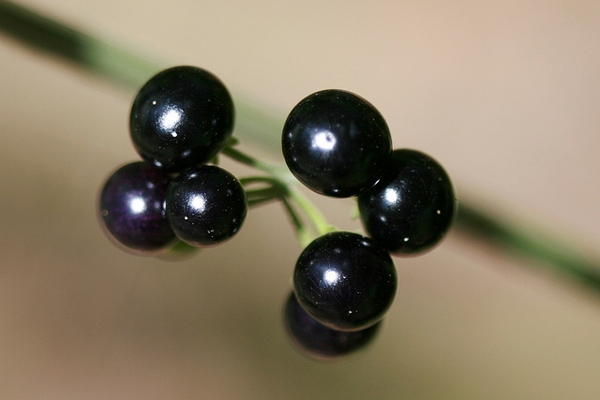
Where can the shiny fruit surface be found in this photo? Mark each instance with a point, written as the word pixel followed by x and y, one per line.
pixel 412 207
pixel 181 117
pixel 206 205
pixel 336 143
pixel 345 281
pixel 132 210
pixel 315 340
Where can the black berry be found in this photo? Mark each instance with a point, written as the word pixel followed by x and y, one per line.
pixel 318 341
pixel 413 205
pixel 206 205
pixel 132 210
pixel 181 117
pixel 336 143
pixel 345 281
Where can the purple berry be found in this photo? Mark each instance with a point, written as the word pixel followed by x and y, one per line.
pixel 132 208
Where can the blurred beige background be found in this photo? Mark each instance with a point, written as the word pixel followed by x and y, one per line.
pixel 505 94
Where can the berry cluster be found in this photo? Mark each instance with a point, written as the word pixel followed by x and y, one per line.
pixel 180 120
pixel 336 144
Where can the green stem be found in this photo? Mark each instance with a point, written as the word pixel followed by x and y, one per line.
pixel 530 244
pixel 273 190
pixel 283 178
pixel 124 67
pixel 305 237
pixel 250 161
pixel 315 216
pixel 277 191
pixel 119 65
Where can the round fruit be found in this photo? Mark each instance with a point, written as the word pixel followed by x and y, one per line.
pixel 132 208
pixel 345 281
pixel 413 205
pixel 206 205
pixel 336 143
pixel 316 340
pixel 181 117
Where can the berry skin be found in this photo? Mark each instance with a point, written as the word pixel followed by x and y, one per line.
pixel 345 281
pixel 336 143
pixel 206 205
pixel 318 341
pixel 132 208
pixel 181 117
pixel 412 207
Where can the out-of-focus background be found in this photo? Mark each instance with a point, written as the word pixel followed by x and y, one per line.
pixel 505 94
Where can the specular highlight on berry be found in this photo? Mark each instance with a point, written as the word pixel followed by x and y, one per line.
pixel 182 117
pixel 336 143
pixel 131 208
pixel 412 207
pixel 345 281
pixel 206 205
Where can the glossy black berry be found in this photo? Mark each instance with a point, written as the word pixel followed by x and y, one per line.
pixel 336 143
pixel 318 341
pixel 412 207
pixel 206 205
pixel 181 117
pixel 132 210
pixel 345 281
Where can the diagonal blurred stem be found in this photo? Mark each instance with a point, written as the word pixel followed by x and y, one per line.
pixel 530 244
pixel 117 64
pixel 126 68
